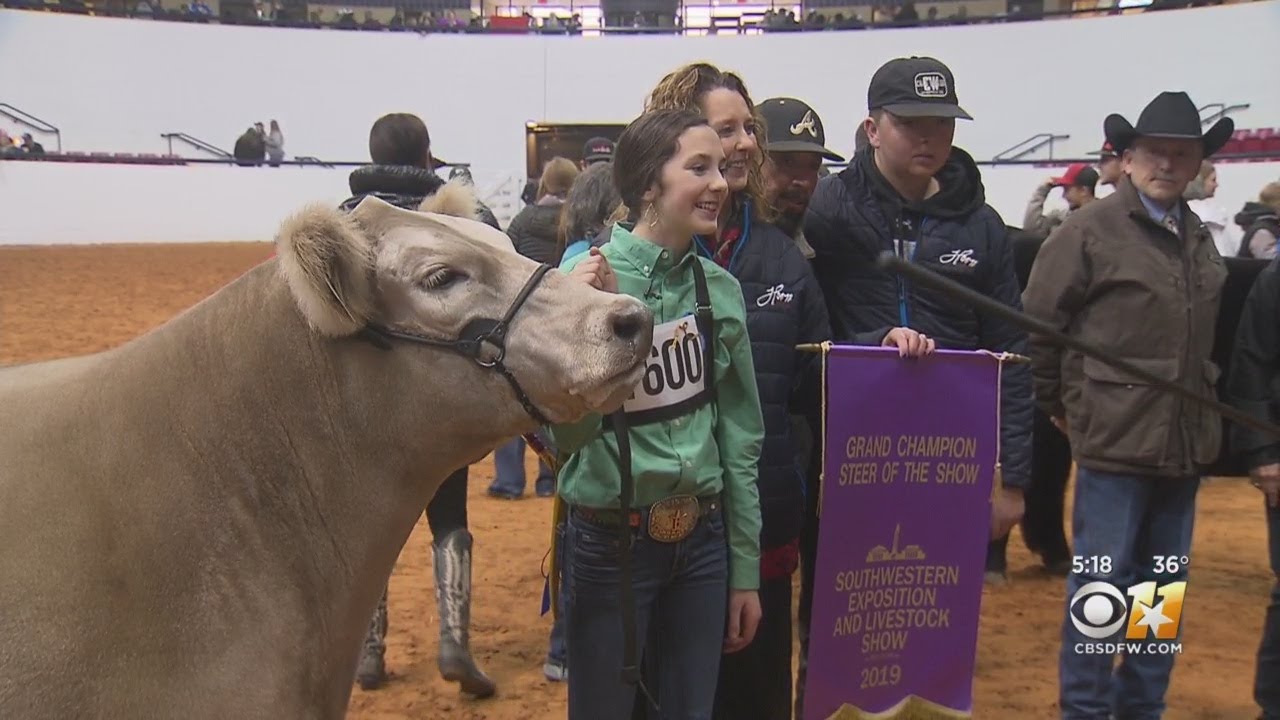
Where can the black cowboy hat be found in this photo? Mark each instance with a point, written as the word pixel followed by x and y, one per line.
pixel 1169 115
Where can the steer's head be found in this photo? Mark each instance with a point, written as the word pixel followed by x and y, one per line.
pixel 433 273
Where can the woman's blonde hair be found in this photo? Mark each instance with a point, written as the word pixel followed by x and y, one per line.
pixel 557 177
pixel 684 89
pixel 1270 196
pixel 1196 189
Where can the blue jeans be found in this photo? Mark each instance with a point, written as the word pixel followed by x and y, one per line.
pixel 508 461
pixel 1130 520
pixel 683 587
pixel 1266 684
pixel 558 652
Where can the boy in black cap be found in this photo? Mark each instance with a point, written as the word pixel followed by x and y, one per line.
pixel 911 192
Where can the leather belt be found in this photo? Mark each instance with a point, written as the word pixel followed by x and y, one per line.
pixel 669 520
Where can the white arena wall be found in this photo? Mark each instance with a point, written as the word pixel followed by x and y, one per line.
pixel 55 203
pixel 114 85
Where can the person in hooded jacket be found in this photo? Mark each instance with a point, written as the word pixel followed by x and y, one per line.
pixel 534 229
pixel 402 174
pixel 1260 222
pixel 913 193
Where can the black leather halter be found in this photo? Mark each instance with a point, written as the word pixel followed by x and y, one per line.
pixel 484 340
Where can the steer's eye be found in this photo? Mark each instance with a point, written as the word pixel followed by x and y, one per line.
pixel 439 278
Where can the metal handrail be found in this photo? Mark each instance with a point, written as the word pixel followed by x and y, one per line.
pixel 1042 138
pixel 22 116
pixel 1222 111
pixel 196 143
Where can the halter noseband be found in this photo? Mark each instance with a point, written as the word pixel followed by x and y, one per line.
pixel 474 338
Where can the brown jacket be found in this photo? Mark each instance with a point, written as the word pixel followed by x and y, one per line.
pixel 1118 280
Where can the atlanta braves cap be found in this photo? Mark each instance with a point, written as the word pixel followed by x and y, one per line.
pixel 915 87
pixel 792 126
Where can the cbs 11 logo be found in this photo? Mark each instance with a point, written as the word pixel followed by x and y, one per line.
pixel 1099 610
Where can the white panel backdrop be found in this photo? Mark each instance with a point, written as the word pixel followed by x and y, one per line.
pixel 115 85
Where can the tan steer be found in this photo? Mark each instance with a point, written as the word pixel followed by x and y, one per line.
pixel 198 524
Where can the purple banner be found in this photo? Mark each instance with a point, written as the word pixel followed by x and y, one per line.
pixel 911 448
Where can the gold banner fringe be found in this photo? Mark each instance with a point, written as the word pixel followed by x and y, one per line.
pixel 1001 356
pixel 911 707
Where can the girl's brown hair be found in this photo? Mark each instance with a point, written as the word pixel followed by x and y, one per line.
pixel 643 148
pixel 686 87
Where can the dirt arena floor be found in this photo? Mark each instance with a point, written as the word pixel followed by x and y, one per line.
pixel 72 300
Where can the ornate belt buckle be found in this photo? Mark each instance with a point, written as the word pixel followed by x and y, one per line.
pixel 671 520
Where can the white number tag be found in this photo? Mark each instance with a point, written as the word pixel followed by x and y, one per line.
pixel 675 371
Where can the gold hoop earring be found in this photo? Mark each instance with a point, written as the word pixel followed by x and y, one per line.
pixel 653 217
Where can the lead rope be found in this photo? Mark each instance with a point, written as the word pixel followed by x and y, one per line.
pixel 626 539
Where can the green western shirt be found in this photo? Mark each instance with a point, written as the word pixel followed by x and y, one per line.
pixel 714 448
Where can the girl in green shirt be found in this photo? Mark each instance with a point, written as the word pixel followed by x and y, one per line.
pixel 672 475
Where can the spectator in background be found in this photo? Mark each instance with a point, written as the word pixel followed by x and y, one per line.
pixel 1251 387
pixel 597 150
pixel 402 174
pixel 1261 224
pixel 584 217
pixel 1109 166
pixel 591 200
pixel 30 146
pixel 533 232
pixel 249 148
pixel 7 146
pixel 274 143
pixel 1077 184
pixel 1199 196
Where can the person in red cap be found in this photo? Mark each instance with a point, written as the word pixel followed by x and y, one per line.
pixel 1110 168
pixel 1077 184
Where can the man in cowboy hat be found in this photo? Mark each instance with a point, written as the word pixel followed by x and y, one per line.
pixel 1136 275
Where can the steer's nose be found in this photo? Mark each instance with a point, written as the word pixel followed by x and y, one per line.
pixel 631 322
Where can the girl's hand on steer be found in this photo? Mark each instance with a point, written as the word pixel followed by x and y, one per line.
pixel 596 272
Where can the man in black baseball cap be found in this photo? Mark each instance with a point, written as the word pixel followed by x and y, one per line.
pixel 797 147
pixel 597 149
pixel 915 87
pixel 911 191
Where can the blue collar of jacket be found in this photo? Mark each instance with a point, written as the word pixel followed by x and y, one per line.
pixel 705 250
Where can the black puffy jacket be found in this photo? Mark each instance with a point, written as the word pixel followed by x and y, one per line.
pixel 400 185
pixel 856 215
pixel 533 231
pixel 784 308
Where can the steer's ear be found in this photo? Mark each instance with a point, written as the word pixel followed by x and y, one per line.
pixel 328 261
